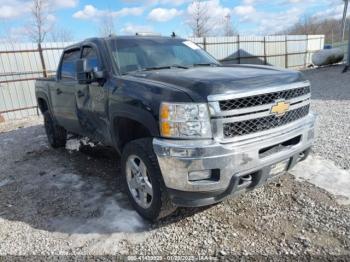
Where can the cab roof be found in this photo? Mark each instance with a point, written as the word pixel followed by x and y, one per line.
pixel 99 40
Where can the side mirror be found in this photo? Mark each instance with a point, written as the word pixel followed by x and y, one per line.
pixel 83 72
pixel 86 74
pixel 98 74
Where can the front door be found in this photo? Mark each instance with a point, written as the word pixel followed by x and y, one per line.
pixel 92 101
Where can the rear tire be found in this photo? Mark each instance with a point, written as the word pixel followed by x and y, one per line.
pixel 56 135
pixel 144 182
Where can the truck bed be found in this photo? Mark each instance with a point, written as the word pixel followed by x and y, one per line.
pixel 44 84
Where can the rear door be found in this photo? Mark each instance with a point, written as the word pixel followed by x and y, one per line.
pixel 63 95
pixel 92 100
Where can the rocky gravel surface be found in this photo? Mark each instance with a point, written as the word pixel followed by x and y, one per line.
pixel 284 218
pixel 331 101
pixel 70 202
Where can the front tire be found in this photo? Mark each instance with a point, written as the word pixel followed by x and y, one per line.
pixel 143 180
pixel 56 135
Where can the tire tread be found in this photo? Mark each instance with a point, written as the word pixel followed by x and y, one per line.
pixel 145 144
pixel 59 133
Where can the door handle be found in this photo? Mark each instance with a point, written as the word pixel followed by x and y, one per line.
pixel 80 93
pixel 58 91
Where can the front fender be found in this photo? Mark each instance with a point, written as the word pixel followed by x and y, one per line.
pixel 139 115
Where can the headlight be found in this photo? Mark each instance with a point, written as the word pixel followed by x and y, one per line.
pixel 185 120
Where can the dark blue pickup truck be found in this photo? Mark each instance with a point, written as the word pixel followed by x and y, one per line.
pixel 190 131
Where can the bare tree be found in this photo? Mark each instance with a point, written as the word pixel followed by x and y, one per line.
pixel 331 28
pixel 200 20
pixel 106 26
pixel 229 30
pixel 40 25
pixel 61 35
pixel 308 25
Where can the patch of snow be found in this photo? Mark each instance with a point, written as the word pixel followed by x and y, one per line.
pixel 325 174
pixel 63 180
pixel 86 142
pixel 8 140
pixel 73 144
pixel 4 182
pixel 99 212
pixel 112 219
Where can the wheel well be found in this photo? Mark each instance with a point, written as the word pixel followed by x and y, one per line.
pixel 128 130
pixel 42 105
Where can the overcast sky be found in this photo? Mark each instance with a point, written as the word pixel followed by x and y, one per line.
pixel 164 16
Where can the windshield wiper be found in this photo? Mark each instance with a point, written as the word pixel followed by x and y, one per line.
pixel 155 68
pixel 163 67
pixel 206 64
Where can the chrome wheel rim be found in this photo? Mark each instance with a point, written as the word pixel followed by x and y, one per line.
pixel 139 182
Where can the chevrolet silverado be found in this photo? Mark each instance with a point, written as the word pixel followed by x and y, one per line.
pixel 190 130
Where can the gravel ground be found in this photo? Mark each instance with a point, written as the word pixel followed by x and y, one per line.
pixel 331 101
pixel 69 202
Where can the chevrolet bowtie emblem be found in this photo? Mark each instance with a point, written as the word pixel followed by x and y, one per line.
pixel 280 108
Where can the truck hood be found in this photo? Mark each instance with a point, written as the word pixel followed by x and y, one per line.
pixel 200 82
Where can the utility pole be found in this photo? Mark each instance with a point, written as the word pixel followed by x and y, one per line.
pixel 348 63
pixel 347 66
pixel 346 3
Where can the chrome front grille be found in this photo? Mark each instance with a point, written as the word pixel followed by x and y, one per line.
pixel 263 123
pixel 262 99
pixel 250 113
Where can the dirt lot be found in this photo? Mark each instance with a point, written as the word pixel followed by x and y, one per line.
pixel 70 202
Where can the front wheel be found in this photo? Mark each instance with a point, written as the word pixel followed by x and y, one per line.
pixel 143 180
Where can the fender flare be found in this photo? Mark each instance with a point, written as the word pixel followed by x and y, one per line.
pixel 140 115
pixel 42 95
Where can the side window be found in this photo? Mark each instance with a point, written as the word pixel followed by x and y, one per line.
pixel 92 59
pixel 68 67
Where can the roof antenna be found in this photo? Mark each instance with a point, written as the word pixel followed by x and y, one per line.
pixel 173 34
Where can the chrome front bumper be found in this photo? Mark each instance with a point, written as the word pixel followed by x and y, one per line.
pixel 177 158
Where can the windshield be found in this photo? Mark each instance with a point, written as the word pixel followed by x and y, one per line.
pixel 137 54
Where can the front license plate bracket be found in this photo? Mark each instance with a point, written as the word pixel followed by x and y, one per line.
pixel 279 168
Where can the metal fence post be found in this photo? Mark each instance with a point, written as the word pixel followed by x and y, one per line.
pixel 306 50
pixel 348 62
pixel 42 60
pixel 239 49
pixel 286 47
pixel 347 65
pixel 265 55
pixel 205 43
